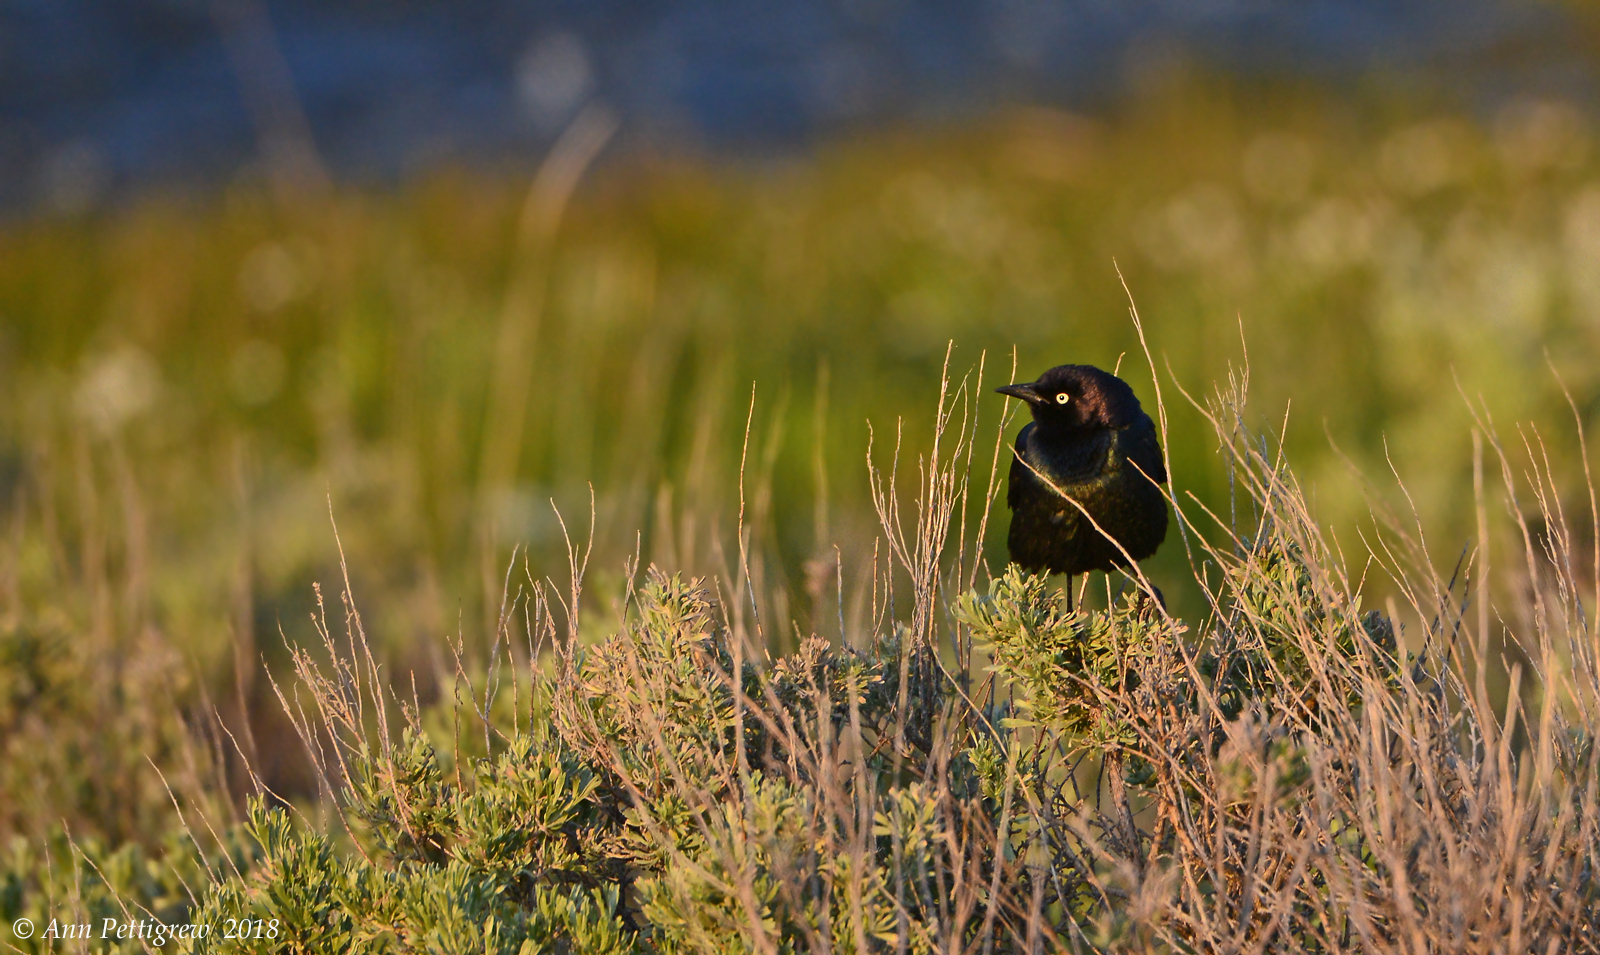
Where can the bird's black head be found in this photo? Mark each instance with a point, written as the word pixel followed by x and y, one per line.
pixel 1077 398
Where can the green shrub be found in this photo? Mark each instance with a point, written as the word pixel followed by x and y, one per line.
pixel 1288 775
pixel 95 759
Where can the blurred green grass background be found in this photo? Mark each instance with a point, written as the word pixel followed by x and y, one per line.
pixel 187 384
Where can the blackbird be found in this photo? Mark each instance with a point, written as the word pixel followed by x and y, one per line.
pixel 1089 438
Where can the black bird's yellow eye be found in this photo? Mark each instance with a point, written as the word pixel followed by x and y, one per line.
pixel 1063 398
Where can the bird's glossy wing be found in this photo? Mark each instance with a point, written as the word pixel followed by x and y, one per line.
pixel 1140 444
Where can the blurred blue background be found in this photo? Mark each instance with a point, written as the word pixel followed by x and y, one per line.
pixel 100 95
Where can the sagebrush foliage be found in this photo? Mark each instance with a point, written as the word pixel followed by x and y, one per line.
pixel 674 797
pixel 93 755
pixel 999 775
pixel 623 821
pixel 1119 784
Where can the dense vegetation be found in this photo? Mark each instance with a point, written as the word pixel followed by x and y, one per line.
pixel 991 774
pixel 874 731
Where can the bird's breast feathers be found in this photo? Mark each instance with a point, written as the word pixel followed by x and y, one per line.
pixel 1095 457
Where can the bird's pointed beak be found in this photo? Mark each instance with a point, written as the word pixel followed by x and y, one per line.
pixel 1023 391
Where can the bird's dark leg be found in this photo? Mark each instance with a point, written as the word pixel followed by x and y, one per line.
pixel 1069 593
